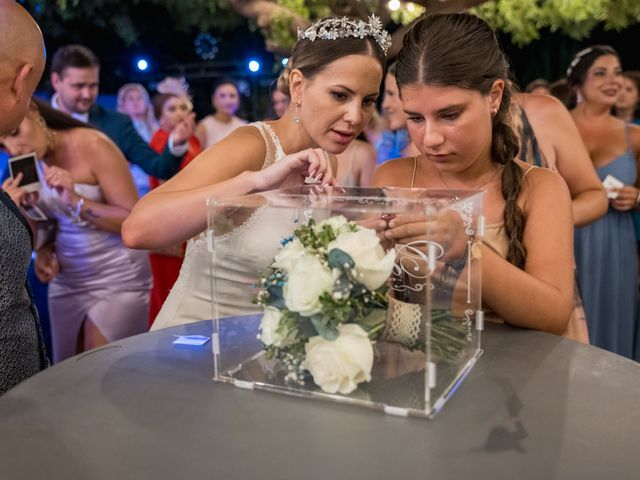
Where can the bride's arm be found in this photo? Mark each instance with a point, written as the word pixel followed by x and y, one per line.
pixel 176 211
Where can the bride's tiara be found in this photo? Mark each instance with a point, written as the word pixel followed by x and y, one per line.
pixel 334 28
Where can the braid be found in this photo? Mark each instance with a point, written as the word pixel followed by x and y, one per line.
pixel 504 149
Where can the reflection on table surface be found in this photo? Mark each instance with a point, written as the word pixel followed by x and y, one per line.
pixel 534 406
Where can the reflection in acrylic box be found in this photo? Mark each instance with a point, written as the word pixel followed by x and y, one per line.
pixel 311 298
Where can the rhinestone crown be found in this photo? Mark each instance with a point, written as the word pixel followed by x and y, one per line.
pixel 334 28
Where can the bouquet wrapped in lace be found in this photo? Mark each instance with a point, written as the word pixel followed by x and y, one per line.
pixel 324 302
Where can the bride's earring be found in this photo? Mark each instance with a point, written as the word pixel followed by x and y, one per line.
pixel 296 115
pixel 579 97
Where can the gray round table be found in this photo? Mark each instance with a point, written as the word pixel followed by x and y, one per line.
pixel 534 406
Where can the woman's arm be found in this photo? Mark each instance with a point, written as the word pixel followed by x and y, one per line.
pixel 111 171
pixel 176 211
pixel 552 122
pixel 540 296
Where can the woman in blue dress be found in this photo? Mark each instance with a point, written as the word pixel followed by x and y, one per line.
pixel 605 250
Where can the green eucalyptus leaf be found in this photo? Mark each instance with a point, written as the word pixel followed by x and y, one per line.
pixel 325 330
pixel 340 259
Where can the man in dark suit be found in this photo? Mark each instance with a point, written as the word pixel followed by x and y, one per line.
pixel 75 72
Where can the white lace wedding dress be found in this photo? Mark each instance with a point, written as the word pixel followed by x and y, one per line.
pixel 252 244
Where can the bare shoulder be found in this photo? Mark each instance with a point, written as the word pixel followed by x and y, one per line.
pixel 365 148
pixel 395 173
pixel 542 182
pixel 244 147
pixel 543 109
pixel 365 152
pixel 93 145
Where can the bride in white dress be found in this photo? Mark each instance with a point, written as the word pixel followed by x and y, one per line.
pixel 333 77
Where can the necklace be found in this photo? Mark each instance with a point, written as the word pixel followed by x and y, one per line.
pixel 479 187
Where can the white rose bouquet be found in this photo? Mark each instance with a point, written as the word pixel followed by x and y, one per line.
pixel 324 303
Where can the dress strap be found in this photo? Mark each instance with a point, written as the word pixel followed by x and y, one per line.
pixel 415 168
pixel 279 151
pixel 528 170
pixel 272 142
pixel 528 136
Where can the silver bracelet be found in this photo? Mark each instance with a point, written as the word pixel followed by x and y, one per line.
pixel 76 211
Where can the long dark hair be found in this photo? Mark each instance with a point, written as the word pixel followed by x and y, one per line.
pixel 461 50
pixel 579 66
pixel 311 57
pixel 55 119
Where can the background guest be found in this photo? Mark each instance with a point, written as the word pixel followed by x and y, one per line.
pixel 539 86
pixel 395 141
pixel 279 102
pixel 99 289
pixel 75 73
pixel 225 100
pixel 605 250
pixel 165 263
pixel 134 102
pixel 627 102
pixel 562 91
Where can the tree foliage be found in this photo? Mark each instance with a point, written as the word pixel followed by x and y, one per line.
pixel 279 19
pixel 523 19
pixel 116 15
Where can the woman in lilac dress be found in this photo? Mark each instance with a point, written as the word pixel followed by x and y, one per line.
pixel 605 250
pixel 99 289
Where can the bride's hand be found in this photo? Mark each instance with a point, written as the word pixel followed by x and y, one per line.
pixel 293 169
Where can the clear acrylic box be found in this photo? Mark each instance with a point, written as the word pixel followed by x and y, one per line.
pixel 310 298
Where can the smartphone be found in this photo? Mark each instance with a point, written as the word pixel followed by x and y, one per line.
pixel 27 165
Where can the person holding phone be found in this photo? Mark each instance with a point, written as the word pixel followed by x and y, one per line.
pixel 22 352
pixel 99 290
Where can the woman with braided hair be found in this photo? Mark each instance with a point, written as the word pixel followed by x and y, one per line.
pixel 453 81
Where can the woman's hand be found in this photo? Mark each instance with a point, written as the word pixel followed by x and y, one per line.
pixel 46 264
pixel 61 180
pixel 19 195
pixel 294 169
pixel 446 230
pixel 627 198
pixel 10 186
pixel 184 130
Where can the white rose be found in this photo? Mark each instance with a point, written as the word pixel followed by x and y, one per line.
pixel 340 365
pixel 289 254
pixel 307 280
pixel 269 325
pixel 338 224
pixel 372 264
